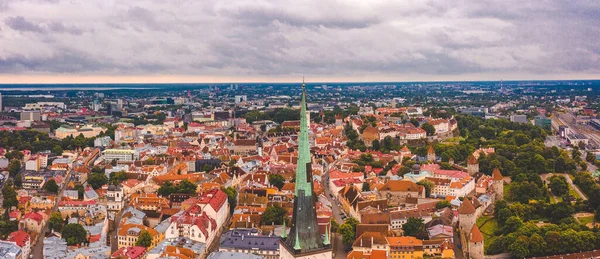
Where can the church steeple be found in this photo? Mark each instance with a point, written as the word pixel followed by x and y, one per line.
pixel 302 181
pixel 304 236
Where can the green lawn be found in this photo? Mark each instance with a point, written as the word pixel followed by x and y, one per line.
pixel 585 220
pixel 487 225
pixel 573 193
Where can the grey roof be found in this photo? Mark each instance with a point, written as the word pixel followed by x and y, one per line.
pixel 230 255
pixel 90 194
pixel 247 239
pixel 55 248
pixel 137 216
pixel 163 226
pixel 9 250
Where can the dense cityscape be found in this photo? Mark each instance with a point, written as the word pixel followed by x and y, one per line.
pixel 495 169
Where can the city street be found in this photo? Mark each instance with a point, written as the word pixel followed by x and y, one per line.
pixel 336 210
pixel 38 249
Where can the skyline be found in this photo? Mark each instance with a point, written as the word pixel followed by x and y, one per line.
pixel 261 41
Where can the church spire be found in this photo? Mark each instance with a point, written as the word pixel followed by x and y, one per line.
pixel 304 236
pixel 302 181
pixel 283 234
pixel 326 241
pixel 297 243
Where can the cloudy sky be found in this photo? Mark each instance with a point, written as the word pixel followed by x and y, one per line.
pixel 324 40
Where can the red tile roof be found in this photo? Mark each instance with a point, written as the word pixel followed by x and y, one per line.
pixel 20 237
pixel 34 216
pixel 466 207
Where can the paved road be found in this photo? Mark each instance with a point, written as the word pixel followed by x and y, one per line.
pixel 339 247
pixel 112 235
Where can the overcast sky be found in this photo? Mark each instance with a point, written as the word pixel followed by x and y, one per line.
pixel 324 40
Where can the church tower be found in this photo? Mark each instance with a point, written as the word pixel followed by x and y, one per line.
pixel 472 165
pixel 498 184
pixel 304 239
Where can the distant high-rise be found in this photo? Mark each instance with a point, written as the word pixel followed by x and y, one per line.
pixel 304 239
pixel 0 102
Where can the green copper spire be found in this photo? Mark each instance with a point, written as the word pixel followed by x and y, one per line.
pixel 302 181
pixel 283 234
pixel 297 245
pixel 326 241
pixel 304 237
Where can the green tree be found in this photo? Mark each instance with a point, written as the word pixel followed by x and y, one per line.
pixel 597 216
pixel 428 128
pixel 97 170
pixel 560 211
pixel 9 196
pixel 558 185
pixel 348 234
pixel 14 155
pixel 56 222
pixel 80 190
pixel 231 197
pixel 273 214
pixel 366 187
pixel 334 225
pixel 166 189
pixel 186 186
pixel 276 180
pixel 443 204
pixel 428 186
pixel 7 227
pixel 74 234
pixel 97 180
pixel 51 186
pixel 512 224
pixel 376 145
pixel 14 167
pixel 414 227
pixel 519 248
pixel 145 239
pixel 537 245
pixel 57 150
pixel 118 177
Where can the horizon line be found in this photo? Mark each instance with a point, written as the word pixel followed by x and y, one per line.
pixel 187 79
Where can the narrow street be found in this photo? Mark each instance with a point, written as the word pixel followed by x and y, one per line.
pixel 339 250
pixel 38 249
pixel 112 235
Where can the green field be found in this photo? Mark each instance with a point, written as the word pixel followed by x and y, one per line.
pixel 573 193
pixel 488 225
pixel 586 220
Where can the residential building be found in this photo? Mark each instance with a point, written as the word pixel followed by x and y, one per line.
pixel 250 242
pixel 405 247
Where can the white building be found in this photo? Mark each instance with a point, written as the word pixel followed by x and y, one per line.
pixel 120 155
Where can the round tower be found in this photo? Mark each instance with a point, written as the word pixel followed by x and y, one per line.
pixel 431 154
pixel 472 165
pixel 498 185
pixel 466 215
pixel 475 243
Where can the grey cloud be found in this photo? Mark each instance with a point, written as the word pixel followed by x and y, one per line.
pixel 60 27
pixel 256 16
pixel 320 37
pixel 19 23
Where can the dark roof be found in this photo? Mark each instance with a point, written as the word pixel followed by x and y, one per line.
pixel 247 239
